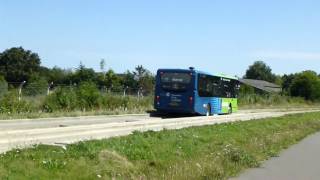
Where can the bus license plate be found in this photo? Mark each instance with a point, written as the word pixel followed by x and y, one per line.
pixel 174 104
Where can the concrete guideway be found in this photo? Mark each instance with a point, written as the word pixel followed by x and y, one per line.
pixel 59 131
pixel 299 162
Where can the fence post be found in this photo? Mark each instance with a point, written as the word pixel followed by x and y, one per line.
pixel 125 91
pixel 140 93
pixel 49 87
pixel 20 90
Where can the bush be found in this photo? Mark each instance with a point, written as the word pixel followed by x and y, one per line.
pixel 88 96
pixel 268 100
pixel 62 99
pixel 10 104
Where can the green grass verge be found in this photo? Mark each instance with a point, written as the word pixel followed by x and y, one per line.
pixel 208 152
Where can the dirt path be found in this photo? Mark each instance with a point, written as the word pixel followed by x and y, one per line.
pixel 60 131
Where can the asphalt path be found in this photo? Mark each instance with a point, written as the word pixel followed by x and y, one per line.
pixel 299 162
pixel 65 130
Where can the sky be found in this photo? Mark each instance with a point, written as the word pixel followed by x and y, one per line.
pixel 215 36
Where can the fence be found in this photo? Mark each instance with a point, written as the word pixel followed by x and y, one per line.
pixel 24 89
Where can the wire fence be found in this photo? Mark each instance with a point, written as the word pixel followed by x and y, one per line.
pixel 40 89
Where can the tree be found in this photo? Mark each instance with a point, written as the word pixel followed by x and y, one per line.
pixel 17 64
pixel 83 74
pixel 286 82
pixel 112 79
pixel 307 85
pixel 128 80
pixel 144 77
pixel 260 71
pixel 59 76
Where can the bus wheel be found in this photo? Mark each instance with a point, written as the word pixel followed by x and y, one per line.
pixel 208 110
pixel 230 109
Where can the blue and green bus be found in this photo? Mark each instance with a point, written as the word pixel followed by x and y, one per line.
pixel 195 92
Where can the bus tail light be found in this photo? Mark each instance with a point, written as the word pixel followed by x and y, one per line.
pixel 190 100
pixel 158 98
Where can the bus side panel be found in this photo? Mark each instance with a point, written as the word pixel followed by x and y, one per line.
pixel 226 103
pixel 202 102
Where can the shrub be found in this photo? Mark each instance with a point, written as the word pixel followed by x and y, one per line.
pixel 10 104
pixel 62 99
pixel 3 86
pixel 88 96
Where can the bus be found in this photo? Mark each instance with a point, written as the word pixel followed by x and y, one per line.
pixel 195 92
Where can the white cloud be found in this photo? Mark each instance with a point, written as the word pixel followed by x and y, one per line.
pixel 286 55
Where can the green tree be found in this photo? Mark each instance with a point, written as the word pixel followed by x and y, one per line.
pixel 260 71
pixel 59 76
pixel 145 78
pixel 83 74
pixel 17 64
pixel 129 80
pixel 112 79
pixel 307 85
pixel 286 82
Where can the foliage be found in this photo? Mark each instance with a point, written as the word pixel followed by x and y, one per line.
pixel 83 74
pixel 10 104
pixel 307 85
pixel 260 71
pixel 36 86
pixel 3 86
pixel 18 64
pixel 144 77
pixel 270 101
pixel 246 90
pixel 208 152
pixel 88 96
pixel 286 83
pixel 62 99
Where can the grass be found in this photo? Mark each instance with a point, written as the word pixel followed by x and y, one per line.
pixel 208 152
pixel 249 101
pixel 114 104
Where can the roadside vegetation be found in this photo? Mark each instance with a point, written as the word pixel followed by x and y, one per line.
pixel 29 90
pixel 208 152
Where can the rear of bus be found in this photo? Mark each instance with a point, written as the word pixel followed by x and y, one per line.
pixel 174 91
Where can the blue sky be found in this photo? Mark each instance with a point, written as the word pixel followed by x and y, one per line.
pixel 215 36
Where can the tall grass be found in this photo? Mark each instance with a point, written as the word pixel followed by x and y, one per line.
pixel 271 101
pixel 86 99
pixel 83 100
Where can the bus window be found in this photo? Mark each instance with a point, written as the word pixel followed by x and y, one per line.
pixel 209 86
pixel 226 88
pixel 175 81
pixel 204 86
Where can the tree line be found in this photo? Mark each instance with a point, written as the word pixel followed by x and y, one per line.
pixel 304 84
pixel 18 65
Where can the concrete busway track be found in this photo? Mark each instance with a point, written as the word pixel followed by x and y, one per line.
pixel 66 130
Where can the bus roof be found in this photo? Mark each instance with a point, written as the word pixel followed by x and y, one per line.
pixel 201 72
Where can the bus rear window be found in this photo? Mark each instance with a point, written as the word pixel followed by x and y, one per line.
pixel 175 81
